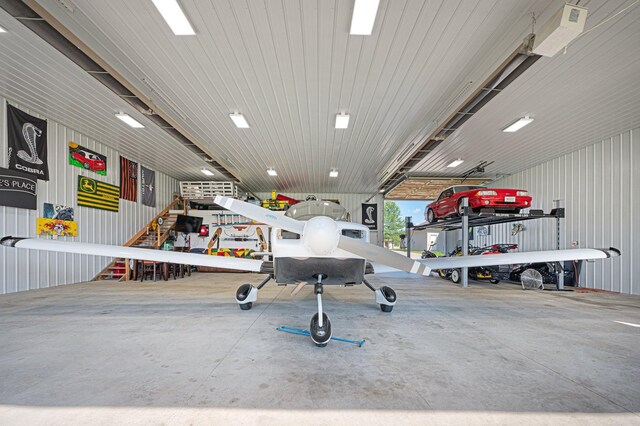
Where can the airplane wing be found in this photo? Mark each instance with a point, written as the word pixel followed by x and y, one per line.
pixel 134 253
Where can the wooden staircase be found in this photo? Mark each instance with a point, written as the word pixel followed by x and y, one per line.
pixel 151 236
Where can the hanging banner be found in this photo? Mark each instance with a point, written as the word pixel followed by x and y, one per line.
pixel 98 195
pixel 27 137
pixel 128 179
pixel 370 216
pixel 18 189
pixel 148 185
pixel 65 228
pixel 85 158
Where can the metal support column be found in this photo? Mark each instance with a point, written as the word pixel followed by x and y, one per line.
pixel 407 233
pixel 559 265
pixel 465 240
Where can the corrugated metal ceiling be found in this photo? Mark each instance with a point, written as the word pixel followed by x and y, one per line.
pixel 290 66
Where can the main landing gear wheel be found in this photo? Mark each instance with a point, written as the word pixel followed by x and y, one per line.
pixel 320 334
pixel 389 296
pixel 246 295
pixel 455 275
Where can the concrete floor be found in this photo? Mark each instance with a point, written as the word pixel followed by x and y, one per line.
pixel 181 352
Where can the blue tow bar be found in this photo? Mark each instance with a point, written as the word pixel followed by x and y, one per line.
pixel 304 332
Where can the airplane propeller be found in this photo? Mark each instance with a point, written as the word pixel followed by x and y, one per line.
pixel 321 236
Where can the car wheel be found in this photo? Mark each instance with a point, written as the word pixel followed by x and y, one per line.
pixel 86 165
pixel 431 216
pixel 460 208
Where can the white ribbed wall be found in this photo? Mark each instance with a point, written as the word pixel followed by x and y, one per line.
pixel 351 202
pixel 599 188
pixel 25 270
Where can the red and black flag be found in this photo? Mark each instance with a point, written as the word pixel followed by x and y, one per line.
pixel 128 179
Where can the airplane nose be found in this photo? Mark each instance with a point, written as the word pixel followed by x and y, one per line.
pixel 321 235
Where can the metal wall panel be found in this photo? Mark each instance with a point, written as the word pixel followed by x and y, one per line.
pixel 597 186
pixel 351 202
pixel 26 270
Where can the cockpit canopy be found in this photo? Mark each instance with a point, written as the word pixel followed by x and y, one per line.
pixel 308 209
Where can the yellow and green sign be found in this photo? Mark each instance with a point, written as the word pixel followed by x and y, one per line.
pixel 98 195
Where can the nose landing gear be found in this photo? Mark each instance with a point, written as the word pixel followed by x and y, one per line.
pixel 320 327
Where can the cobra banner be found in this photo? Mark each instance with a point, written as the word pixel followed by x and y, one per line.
pixel 18 189
pixel 98 195
pixel 370 216
pixel 27 137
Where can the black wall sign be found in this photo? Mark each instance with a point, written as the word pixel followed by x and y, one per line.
pixel 18 189
pixel 370 216
pixel 27 136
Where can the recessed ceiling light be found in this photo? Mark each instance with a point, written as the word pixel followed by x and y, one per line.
pixel 239 120
pixel 129 120
pixel 342 121
pixel 455 163
pixel 518 124
pixel 333 173
pixel 2 30
pixel 272 172
pixel 207 171
pixel 364 16
pixel 175 17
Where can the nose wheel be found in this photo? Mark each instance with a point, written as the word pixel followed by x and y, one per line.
pixel 320 327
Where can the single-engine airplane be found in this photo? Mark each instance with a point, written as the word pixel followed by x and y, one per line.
pixel 312 243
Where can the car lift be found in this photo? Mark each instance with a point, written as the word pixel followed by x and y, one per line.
pixel 488 217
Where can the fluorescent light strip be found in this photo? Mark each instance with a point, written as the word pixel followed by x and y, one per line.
pixel 2 30
pixel 364 16
pixel 517 125
pixel 342 121
pixel 456 163
pixel 272 172
pixel 175 17
pixel 130 121
pixel 333 173
pixel 207 172
pixel 239 120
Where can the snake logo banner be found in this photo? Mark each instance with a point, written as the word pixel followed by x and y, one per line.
pixel 27 137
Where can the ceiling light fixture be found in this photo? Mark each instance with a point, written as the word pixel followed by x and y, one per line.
pixel 129 120
pixel 456 163
pixel 518 124
pixel 333 173
pixel 175 17
pixel 342 121
pixel 272 172
pixel 2 30
pixel 239 120
pixel 364 16
pixel 207 171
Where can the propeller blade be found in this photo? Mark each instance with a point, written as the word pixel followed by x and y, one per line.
pixel 134 253
pixel 260 215
pixel 382 255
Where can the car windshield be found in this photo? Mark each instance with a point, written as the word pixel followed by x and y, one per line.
pixel 308 209
pixel 467 188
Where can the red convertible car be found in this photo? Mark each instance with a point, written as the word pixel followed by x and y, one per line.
pixel 502 200
pixel 89 160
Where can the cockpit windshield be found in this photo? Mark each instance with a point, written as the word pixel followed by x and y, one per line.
pixel 308 209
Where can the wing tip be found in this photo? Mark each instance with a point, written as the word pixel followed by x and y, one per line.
pixel 611 252
pixel 10 241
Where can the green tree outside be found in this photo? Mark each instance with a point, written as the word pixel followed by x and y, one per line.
pixel 393 222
